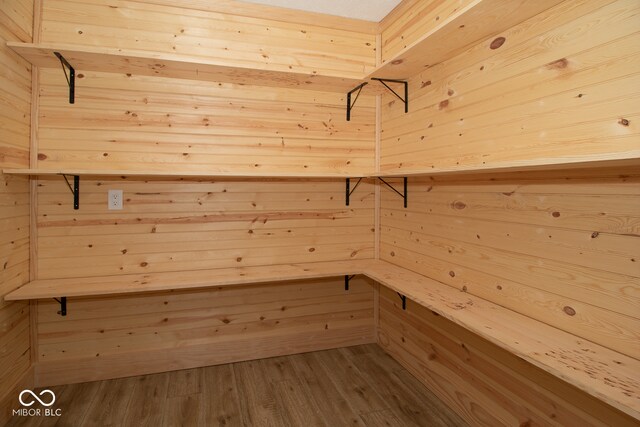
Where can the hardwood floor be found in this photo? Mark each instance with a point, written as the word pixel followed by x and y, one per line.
pixel 354 386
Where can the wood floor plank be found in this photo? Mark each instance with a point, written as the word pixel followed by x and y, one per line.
pixel 299 409
pixel 185 382
pixel 360 394
pixel 355 386
pixel 110 403
pixel 332 404
pixel 182 410
pixel 279 369
pixel 75 399
pixel 411 408
pixel 258 404
pixel 384 418
pixel 148 401
pixel 220 404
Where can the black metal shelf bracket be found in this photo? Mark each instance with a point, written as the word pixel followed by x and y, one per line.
pixel 71 77
pixel 349 192
pixel 404 196
pixel 347 279
pixel 75 190
pixel 404 300
pixel 405 100
pixel 349 104
pixel 63 306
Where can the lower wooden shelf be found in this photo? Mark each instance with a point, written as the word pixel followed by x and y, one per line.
pixel 182 280
pixel 606 374
pixel 388 171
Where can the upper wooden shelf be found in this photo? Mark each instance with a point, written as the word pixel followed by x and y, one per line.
pixel 476 21
pixel 114 60
pixel 177 174
pixel 599 371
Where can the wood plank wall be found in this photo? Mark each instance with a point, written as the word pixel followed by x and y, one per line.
pixel 485 385
pixel 560 247
pixel 147 123
pixel 561 86
pixel 195 225
pixel 16 24
pixel 561 250
pixel 124 336
pixel 196 30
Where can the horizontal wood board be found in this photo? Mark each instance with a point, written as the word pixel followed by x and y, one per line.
pixel 557 89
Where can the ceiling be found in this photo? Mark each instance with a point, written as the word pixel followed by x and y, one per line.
pixel 368 10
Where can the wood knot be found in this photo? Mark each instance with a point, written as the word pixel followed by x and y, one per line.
pixel 144 264
pixel 458 205
pixel 623 122
pixel 555 214
pixel 443 104
pixel 425 84
pixel 569 310
pixel 42 156
pixel 312 249
pixel 393 253
pixel 497 43
pixel 594 234
pixel 396 62
pixel 452 273
pixel 559 64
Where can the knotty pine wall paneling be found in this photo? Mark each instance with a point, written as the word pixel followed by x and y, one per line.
pixel 199 224
pixel 560 87
pixel 560 247
pixel 16 24
pixel 145 123
pixel 191 225
pixel 119 119
pixel 268 43
pixel 123 336
pixel 131 122
pixel 563 250
pixel 484 384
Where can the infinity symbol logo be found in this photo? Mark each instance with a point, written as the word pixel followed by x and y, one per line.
pixel 30 402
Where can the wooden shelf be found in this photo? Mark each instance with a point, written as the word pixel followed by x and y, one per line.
pixel 599 371
pixel 558 164
pixel 476 21
pixel 181 280
pixel 90 58
pixel 176 175
pixel 553 165
pixel 606 374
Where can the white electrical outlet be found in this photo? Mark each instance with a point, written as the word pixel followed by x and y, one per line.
pixel 115 200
